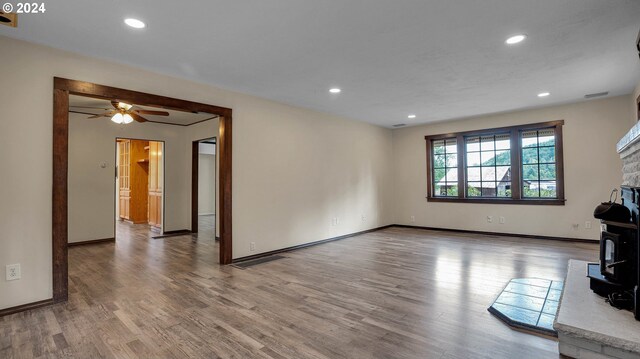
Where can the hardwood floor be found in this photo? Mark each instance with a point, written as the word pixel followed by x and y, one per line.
pixel 395 293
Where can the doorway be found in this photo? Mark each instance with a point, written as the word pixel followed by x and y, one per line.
pixel 139 185
pixel 204 196
pixel 62 88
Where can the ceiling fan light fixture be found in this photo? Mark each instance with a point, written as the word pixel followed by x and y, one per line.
pixel 126 118
pixel 124 105
pixel 118 118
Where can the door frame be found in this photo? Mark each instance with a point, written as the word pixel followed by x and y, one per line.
pixel 117 189
pixel 62 88
pixel 195 172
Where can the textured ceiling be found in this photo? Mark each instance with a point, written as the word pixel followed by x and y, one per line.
pixel 438 59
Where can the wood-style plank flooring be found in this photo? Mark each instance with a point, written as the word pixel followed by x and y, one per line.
pixel 394 293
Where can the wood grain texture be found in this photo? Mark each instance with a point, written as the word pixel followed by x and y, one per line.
pixel 195 168
pixel 59 194
pixel 225 207
pixel 394 293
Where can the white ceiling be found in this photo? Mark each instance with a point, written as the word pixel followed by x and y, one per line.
pixel 439 59
pixel 92 106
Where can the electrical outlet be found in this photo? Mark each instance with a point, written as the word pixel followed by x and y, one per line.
pixel 587 225
pixel 502 220
pixel 13 271
pixel 489 219
pixel 413 219
pixel 364 218
pixel 252 246
pixel 334 221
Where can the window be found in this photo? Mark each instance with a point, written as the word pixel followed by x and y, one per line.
pixel 445 167
pixel 520 165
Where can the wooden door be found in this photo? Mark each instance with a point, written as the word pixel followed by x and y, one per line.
pixel 155 183
pixel 124 191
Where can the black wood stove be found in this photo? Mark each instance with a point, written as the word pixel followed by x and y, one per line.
pixel 616 276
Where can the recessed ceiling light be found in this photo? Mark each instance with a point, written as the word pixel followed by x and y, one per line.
pixel 515 39
pixel 135 23
pixel 411 116
pixel 544 94
pixel 335 90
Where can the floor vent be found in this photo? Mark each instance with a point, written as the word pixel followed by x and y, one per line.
pixel 8 19
pixel 253 262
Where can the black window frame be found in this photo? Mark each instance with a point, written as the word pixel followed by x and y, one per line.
pixel 515 133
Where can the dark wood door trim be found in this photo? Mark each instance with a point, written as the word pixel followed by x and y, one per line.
pixel 62 88
pixel 195 171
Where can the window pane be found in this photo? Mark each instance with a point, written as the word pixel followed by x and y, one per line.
pixel 548 189
pixel 452 175
pixel 452 146
pixel 530 172
pixel 473 144
pixel 489 189
pixel 438 174
pixel 504 190
pixel 487 158
pixel 547 154
pixel 440 190
pixel 546 137
pixel 473 159
pixel 503 174
pixel 452 160
pixel 438 147
pixel 473 174
pixel 439 161
pixel 487 143
pixel 530 155
pixel 503 157
pixel 473 189
pixel 503 142
pixel 452 191
pixel 547 172
pixel 488 174
pixel 529 138
pixel 530 189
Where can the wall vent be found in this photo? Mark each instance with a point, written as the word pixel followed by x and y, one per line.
pixel 599 94
pixel 9 19
pixel 399 125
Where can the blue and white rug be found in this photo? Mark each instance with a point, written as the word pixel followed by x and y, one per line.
pixel 529 303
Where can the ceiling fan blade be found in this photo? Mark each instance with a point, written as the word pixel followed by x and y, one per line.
pixel 115 103
pixel 106 114
pixel 150 112
pixel 137 117
pixel 90 107
pixel 82 113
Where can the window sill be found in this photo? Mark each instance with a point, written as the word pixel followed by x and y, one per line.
pixel 539 202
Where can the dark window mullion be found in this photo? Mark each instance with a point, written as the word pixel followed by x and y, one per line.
pixel 516 148
pixel 461 165
pixel 538 160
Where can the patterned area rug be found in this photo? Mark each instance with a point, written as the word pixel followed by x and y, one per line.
pixel 529 303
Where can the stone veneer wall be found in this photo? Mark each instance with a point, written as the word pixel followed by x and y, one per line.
pixel 629 150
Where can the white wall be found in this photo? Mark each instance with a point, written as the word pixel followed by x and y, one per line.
pixel 206 183
pixel 592 169
pixel 634 106
pixel 91 187
pixel 293 169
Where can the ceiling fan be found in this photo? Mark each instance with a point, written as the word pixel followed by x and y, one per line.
pixel 125 113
